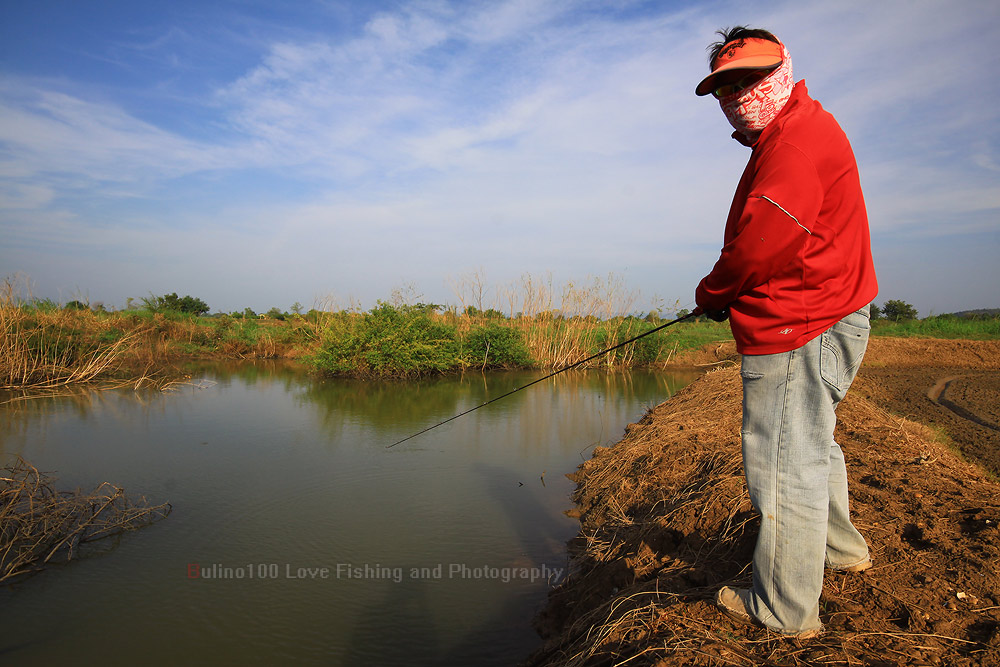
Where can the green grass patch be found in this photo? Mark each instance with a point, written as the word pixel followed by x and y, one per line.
pixel 940 326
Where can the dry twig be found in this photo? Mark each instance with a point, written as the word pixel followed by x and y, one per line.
pixel 39 524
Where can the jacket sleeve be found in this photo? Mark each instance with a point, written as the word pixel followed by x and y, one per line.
pixel 776 222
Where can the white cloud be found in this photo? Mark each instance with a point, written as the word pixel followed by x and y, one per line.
pixel 24 196
pixel 52 135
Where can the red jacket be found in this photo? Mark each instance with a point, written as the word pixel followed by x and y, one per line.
pixel 797 253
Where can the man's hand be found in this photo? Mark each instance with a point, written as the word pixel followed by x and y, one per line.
pixel 717 315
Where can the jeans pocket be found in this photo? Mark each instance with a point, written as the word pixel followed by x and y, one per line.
pixel 843 348
pixel 751 388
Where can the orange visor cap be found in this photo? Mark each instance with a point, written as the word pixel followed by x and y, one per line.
pixel 741 54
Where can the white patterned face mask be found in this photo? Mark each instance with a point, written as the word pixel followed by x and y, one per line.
pixel 750 110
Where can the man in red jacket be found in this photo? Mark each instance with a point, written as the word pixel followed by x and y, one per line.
pixel 795 278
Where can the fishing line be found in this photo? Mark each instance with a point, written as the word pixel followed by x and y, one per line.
pixel 574 365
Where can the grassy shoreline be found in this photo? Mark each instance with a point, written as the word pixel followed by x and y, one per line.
pixel 45 346
pixel 51 347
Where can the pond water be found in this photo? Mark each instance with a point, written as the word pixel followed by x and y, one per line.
pixel 296 535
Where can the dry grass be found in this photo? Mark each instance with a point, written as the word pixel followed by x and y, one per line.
pixel 654 627
pixel 561 325
pixel 43 350
pixel 40 525
pixel 666 519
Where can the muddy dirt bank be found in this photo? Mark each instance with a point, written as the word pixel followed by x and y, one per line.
pixel 665 520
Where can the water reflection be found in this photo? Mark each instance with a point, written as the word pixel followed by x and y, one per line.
pixel 399 409
pixel 265 464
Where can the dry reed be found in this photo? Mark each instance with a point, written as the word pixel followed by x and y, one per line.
pixel 43 349
pixel 558 332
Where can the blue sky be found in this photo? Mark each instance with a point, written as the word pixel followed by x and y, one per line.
pixel 329 152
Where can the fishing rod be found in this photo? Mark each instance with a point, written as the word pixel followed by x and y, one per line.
pixel 574 365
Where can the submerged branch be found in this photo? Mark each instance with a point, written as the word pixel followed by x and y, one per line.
pixel 39 524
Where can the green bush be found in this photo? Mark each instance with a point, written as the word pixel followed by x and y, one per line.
pixel 388 341
pixel 647 350
pixel 496 345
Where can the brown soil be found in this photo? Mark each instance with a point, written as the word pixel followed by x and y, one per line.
pixel 665 520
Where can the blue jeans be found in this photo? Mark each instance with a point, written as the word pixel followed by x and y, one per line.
pixel 796 474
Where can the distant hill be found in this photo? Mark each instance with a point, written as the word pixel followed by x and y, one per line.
pixel 978 313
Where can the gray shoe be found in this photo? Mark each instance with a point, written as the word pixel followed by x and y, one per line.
pixel 857 567
pixel 732 603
